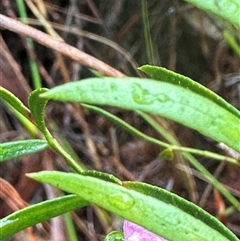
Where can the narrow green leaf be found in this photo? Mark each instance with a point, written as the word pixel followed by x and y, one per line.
pixel 22 113
pixel 37 106
pixel 38 213
pixel 163 74
pixel 162 98
pixel 13 101
pixel 102 175
pixel 14 149
pixel 227 9
pixel 181 203
pixel 156 209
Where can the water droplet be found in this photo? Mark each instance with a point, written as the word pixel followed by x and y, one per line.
pixel 113 87
pixel 140 95
pixel 122 201
pixel 218 122
pixel 162 97
pixel 4 222
pixel 144 97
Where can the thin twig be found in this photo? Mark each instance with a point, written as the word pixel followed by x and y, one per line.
pixel 70 51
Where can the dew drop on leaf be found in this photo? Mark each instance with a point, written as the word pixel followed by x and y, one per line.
pixel 122 201
pixel 143 96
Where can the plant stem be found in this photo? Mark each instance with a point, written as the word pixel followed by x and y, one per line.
pixel 232 43
pixel 147 33
pixel 175 146
pixel 33 65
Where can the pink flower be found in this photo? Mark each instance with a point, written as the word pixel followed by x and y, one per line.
pixel 133 232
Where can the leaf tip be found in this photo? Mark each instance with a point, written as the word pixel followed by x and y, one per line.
pixel 33 175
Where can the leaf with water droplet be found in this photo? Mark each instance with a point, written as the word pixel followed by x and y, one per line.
pixel 207 113
pixel 165 75
pixel 121 200
pixel 111 194
pixel 156 209
pixel 143 96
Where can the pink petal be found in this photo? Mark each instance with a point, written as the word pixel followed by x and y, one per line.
pixel 133 232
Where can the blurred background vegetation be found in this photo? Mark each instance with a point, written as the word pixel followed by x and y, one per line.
pixel 180 37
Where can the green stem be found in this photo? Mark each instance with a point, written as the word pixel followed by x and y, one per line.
pixel 224 191
pixel 56 146
pixel 187 155
pixel 70 227
pixel 147 33
pixel 194 162
pixel 32 63
pixel 27 124
pixel 231 41
pixel 177 147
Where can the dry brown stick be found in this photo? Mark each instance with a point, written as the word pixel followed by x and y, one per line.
pixel 29 50
pixel 70 51
pixel 10 195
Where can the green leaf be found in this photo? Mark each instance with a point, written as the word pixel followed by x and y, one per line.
pixel 162 98
pixel 114 236
pixel 102 175
pixel 38 213
pixel 13 101
pixel 227 9
pixel 37 106
pixel 163 74
pixel 182 204
pixel 14 149
pixel 156 209
pixel 22 113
